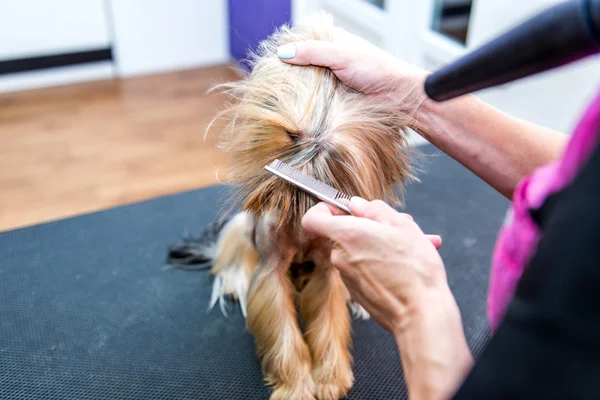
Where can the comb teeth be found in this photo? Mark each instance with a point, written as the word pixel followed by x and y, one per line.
pixel 343 198
pixel 322 190
pixel 315 184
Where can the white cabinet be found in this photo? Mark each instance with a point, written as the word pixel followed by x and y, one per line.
pixel 41 28
pixel 144 36
pixel 30 28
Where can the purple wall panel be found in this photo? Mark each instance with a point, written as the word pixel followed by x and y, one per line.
pixel 251 21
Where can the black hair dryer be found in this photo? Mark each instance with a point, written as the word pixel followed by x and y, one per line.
pixel 559 35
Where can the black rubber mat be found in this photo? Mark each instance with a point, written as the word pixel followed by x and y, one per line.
pixel 88 311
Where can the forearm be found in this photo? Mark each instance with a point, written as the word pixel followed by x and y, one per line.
pixel 498 148
pixel 433 349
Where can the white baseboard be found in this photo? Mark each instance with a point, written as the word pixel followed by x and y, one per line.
pixel 56 76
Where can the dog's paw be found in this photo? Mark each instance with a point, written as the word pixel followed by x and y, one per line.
pixel 330 387
pixel 302 391
pixel 330 391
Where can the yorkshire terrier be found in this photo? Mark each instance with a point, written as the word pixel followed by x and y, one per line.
pixel 261 256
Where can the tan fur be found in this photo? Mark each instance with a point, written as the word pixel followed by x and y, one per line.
pixel 235 260
pixel 272 319
pixel 323 307
pixel 286 361
pixel 306 117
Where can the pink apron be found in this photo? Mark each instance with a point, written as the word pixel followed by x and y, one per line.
pixel 519 236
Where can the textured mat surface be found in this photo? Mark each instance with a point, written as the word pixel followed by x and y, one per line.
pixel 87 310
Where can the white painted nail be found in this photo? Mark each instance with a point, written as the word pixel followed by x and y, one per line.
pixel 358 201
pixel 287 51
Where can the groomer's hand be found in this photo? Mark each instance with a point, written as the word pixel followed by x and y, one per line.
pixel 356 62
pixel 395 272
pixel 386 261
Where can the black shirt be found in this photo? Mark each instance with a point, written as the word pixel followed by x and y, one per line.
pixel 548 345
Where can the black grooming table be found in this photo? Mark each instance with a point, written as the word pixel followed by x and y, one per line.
pixel 88 310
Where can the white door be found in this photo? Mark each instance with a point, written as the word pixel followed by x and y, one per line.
pixel 554 99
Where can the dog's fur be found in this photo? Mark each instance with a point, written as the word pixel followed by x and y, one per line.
pixel 306 117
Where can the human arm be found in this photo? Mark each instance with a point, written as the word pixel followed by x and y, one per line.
pixel 498 148
pixel 433 349
pixel 395 272
pixel 546 346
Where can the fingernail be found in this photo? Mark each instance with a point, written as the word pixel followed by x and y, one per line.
pixel 358 201
pixel 287 51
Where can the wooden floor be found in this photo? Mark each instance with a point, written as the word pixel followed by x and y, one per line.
pixel 80 148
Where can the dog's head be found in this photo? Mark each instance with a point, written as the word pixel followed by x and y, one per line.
pixel 306 117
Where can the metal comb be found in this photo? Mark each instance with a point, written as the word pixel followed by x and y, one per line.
pixel 311 185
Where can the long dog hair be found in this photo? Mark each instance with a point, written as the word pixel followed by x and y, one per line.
pixel 357 143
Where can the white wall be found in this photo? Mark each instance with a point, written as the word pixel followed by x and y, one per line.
pixel 156 35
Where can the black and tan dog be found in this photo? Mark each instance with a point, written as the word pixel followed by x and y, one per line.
pixel 261 256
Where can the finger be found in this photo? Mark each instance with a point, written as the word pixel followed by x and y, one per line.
pixel 436 240
pixel 315 52
pixel 378 211
pixel 322 221
pixel 334 210
pixel 325 208
pixel 318 219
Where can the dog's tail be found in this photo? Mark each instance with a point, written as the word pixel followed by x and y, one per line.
pixel 227 249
